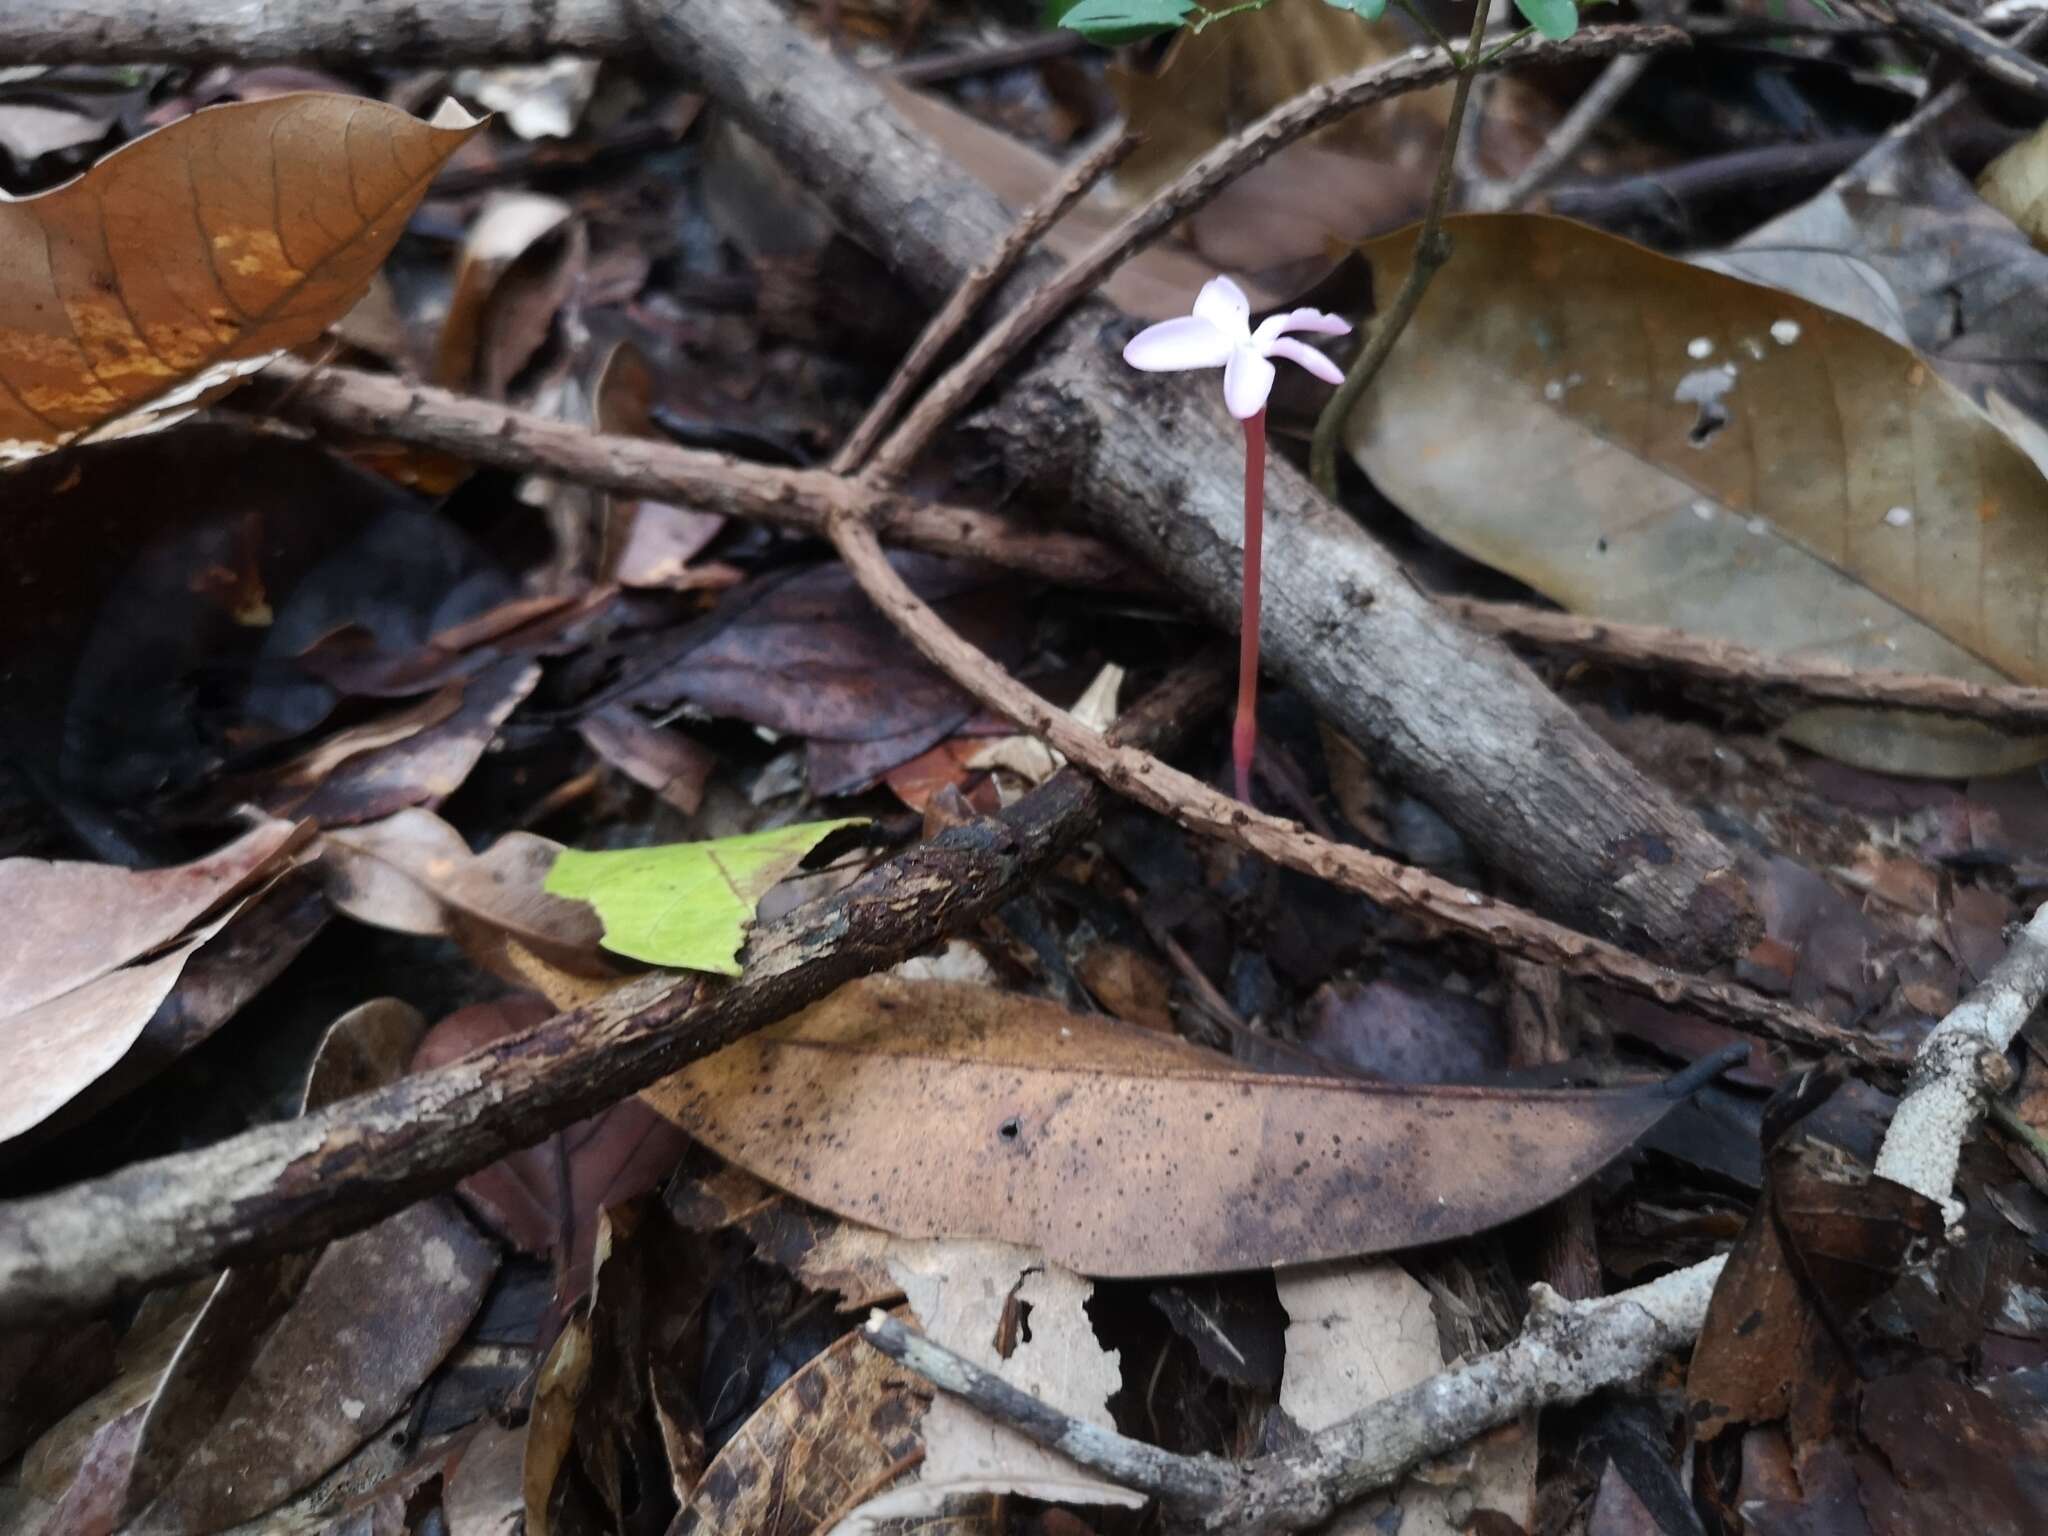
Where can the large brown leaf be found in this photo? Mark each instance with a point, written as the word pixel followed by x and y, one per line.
pixel 1645 440
pixel 941 1109
pixel 198 252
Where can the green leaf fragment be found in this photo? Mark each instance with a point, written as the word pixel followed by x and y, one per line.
pixel 686 905
pixel 1368 10
pixel 1555 19
pixel 1110 22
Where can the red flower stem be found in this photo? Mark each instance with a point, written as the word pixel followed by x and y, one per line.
pixel 1244 736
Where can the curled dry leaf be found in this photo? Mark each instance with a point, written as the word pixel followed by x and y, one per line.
pixel 89 955
pixel 197 253
pixel 1686 448
pixel 844 1427
pixel 413 873
pixel 945 1110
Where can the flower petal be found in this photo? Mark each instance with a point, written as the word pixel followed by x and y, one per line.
pixel 1187 341
pixel 1247 380
pixel 1301 352
pixel 1223 304
pixel 1312 320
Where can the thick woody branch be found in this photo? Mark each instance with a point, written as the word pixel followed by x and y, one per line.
pixel 1649 647
pixel 1161 787
pixel 438 32
pixel 290 1185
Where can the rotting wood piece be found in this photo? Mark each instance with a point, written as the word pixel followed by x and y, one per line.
pixel 299 1182
pixel 1151 464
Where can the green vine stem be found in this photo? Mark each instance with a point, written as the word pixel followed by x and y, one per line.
pixel 1432 250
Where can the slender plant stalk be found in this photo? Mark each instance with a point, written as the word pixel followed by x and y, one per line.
pixel 1432 250
pixel 1244 734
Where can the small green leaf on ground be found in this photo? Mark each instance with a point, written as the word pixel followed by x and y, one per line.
pixel 1556 19
pixel 686 904
pixel 1110 22
pixel 1370 10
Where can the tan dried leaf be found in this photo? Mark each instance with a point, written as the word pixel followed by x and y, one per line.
pixel 196 254
pixel 944 1110
pixel 1642 439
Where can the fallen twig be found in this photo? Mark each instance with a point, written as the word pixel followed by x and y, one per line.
pixel 1566 1351
pixel 1961 1064
pixel 1566 139
pixel 483 432
pixel 983 281
pixel 1951 34
pixel 1652 647
pixel 299 1182
pixel 1399 887
pixel 1417 70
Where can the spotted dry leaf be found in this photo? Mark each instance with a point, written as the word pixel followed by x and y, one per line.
pixel 198 253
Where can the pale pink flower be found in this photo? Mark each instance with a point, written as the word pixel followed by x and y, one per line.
pixel 1219 334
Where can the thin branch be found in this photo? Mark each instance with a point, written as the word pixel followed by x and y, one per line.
pixel 1193 188
pixel 1165 789
pixel 374 405
pixel 974 292
pixel 1567 138
pixel 298 1182
pixel 1949 33
pixel 1648 647
pixel 1432 250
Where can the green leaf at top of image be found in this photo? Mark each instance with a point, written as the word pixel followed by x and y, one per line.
pixel 1110 22
pixel 1369 10
pixel 686 905
pixel 1555 19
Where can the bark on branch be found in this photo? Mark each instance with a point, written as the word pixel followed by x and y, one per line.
pixel 302 1181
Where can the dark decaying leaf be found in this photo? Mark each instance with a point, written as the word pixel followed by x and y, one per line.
pixel 195 1442
pixel 1825 1241
pixel 836 1433
pixel 545 1199
pixel 938 1109
pixel 809 655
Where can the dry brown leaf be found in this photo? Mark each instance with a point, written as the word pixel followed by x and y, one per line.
pixel 1153 285
pixel 840 1429
pixel 2016 184
pixel 71 1003
pixel 940 1109
pixel 1292 217
pixel 515 230
pixel 413 873
pixel 1642 439
pixel 198 253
